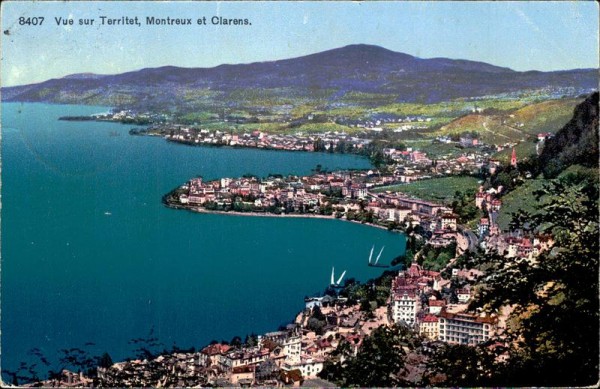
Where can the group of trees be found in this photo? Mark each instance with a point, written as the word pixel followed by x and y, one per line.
pixel 436 258
pixel 39 367
pixel 371 294
pixel 317 321
pixel 555 299
pixel 362 216
pixel 464 206
pixel 414 243
pixel 373 150
pixel 379 361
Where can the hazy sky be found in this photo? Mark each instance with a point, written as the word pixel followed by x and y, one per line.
pixel 519 35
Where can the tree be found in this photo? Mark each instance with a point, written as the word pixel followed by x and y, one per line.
pixel 251 340
pixel 378 363
pixel 148 347
pixel 555 339
pixel 460 365
pixel 367 307
pixel 236 341
pixel 317 321
pixel 317 314
pixel 464 206
pixel 378 159
pixel 105 361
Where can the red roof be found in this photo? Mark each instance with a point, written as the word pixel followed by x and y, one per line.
pixel 243 369
pixel 468 317
pixel 436 303
pixel 430 319
pixel 215 349
pixel 526 243
pixel 323 343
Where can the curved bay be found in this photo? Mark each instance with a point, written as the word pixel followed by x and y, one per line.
pixel 89 254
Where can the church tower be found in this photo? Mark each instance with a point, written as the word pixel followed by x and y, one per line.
pixel 513 158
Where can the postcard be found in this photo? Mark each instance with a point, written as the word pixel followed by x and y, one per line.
pixel 321 194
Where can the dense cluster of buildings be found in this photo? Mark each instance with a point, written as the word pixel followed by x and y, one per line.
pixel 421 299
pixel 297 354
pixel 416 302
pixel 326 141
pixel 511 244
pixel 517 244
pixel 336 194
pixel 408 164
pixel 287 357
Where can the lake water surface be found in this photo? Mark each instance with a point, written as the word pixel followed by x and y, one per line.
pixel 89 253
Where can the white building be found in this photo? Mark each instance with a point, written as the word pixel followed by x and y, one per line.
pixel 406 303
pixel 292 347
pixel 465 328
pixel 309 367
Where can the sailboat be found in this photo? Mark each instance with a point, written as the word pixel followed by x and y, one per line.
pixel 333 282
pixel 376 263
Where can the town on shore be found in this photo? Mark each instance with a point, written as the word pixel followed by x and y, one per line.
pixel 374 139
pixel 432 304
pixel 426 293
pixel 430 299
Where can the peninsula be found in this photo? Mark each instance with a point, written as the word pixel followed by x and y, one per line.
pixel 340 194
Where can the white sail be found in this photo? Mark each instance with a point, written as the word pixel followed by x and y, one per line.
pixel 377 260
pixel 332 279
pixel 340 279
pixel 371 255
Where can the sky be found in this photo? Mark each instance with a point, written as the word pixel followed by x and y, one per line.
pixel 520 35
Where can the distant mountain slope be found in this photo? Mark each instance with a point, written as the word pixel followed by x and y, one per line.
pixel 356 68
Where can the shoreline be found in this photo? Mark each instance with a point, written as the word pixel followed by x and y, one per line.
pixel 267 214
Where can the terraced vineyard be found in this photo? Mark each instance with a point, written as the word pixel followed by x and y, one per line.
pixel 435 189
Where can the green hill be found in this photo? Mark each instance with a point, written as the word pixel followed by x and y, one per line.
pixel 575 143
pixel 547 116
pixel 516 125
pixel 573 151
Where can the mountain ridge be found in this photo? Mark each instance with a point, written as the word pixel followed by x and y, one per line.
pixel 353 68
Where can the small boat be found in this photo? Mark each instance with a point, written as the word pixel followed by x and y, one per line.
pixel 107 213
pixel 335 284
pixel 376 263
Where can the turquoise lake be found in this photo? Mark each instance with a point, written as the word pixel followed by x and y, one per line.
pixel 89 253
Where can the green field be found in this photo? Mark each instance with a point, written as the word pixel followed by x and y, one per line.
pixel 438 150
pixel 522 197
pixel 502 121
pixel 449 108
pixel 435 189
pixel 519 199
pixel 547 116
pixel 523 150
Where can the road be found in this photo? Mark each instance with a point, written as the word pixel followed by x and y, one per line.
pixel 472 239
